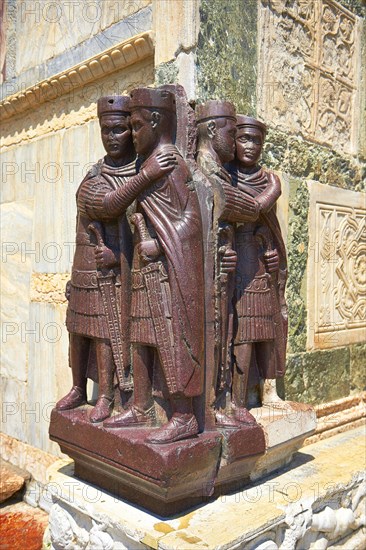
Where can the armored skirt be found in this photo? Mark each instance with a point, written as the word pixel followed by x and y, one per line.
pixel 253 300
pixel 86 310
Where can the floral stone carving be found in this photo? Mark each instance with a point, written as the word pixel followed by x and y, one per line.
pixel 308 83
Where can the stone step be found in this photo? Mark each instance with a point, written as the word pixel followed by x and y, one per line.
pixel 12 479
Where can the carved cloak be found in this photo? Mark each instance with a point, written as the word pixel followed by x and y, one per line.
pixel 172 208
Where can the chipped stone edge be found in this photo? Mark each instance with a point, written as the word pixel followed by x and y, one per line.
pixel 115 58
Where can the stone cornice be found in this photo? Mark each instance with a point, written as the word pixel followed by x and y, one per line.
pixel 116 58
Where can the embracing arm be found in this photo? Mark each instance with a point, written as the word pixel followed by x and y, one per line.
pixel 272 192
pixel 101 203
pixel 238 206
pixel 98 202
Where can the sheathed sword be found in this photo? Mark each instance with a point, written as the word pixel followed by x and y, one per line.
pixel 152 277
pixel 112 310
pixel 223 297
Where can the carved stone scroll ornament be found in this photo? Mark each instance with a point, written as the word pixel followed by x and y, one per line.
pixel 308 83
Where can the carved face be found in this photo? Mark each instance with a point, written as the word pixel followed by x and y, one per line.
pixel 116 135
pixel 145 131
pixel 223 140
pixel 249 143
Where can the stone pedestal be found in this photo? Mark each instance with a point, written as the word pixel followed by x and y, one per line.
pixel 167 479
pixel 315 502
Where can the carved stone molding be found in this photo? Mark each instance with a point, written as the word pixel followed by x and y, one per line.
pixel 338 416
pixel 308 70
pixel 116 58
pixel 336 267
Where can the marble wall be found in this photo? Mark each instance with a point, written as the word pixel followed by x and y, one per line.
pixel 52 28
pixel 46 151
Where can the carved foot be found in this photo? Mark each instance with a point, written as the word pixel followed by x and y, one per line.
pixel 132 417
pixel 75 398
pixel 270 397
pixel 243 416
pixel 225 420
pixel 102 409
pixel 240 416
pixel 180 426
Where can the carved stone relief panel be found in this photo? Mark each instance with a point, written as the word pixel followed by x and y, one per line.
pixel 307 80
pixel 336 268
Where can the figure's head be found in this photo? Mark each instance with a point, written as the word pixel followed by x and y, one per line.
pixel 114 120
pixel 217 127
pixel 249 140
pixel 153 114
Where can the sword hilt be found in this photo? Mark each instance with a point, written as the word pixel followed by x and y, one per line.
pixel 96 228
pixel 138 221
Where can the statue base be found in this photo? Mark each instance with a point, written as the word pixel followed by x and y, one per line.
pixel 316 502
pixel 167 479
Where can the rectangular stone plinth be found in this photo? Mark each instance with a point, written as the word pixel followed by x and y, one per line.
pixel 316 502
pixel 174 477
pixel 164 478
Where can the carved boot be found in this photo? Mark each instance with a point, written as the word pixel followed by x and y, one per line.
pixel 239 416
pixel 243 416
pixel 225 421
pixel 180 426
pixel 102 409
pixel 132 417
pixel 75 398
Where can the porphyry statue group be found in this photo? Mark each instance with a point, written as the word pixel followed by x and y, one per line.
pixel 165 234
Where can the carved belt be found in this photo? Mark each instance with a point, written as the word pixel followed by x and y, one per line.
pixel 88 279
pixel 258 284
pixel 138 280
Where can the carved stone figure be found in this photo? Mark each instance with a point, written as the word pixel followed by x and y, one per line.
pixel 216 146
pixel 187 294
pixel 99 286
pixel 260 312
pixel 167 280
